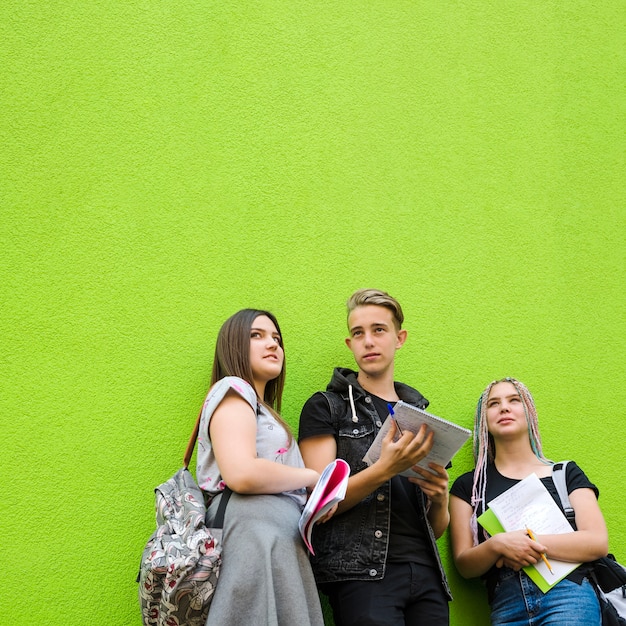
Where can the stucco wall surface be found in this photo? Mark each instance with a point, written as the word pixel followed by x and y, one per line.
pixel 163 164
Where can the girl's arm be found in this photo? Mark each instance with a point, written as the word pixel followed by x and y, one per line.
pixel 590 541
pixel 233 437
pixel 516 549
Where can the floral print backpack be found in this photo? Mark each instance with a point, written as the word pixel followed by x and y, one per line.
pixel 181 561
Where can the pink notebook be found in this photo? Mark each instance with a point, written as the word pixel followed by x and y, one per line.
pixel 330 489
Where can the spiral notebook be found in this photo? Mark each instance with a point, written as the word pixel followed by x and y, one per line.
pixel 449 437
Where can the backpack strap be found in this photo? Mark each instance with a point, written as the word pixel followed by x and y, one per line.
pixel 192 441
pixel 221 508
pixel 559 480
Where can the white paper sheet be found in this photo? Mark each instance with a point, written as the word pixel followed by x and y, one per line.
pixel 530 505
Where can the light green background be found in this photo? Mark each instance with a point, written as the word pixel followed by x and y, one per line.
pixel 164 164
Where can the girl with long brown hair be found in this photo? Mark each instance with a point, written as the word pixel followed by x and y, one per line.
pixel 245 445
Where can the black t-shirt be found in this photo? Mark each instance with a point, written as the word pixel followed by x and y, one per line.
pixel 406 535
pixel 318 418
pixel 497 484
pixel 407 540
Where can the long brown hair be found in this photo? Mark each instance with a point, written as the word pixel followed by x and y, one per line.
pixel 232 358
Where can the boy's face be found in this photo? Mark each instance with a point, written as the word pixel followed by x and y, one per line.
pixel 374 338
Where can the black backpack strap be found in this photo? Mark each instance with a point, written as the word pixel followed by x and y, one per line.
pixel 559 480
pixel 221 508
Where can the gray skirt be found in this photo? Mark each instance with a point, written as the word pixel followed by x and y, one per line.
pixel 265 578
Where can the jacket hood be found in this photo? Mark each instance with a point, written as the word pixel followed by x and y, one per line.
pixel 343 378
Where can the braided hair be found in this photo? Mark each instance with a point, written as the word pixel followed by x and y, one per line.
pixel 484 445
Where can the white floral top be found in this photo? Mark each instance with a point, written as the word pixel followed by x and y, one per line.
pixel 272 442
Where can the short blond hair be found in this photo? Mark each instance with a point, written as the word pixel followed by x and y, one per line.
pixel 364 297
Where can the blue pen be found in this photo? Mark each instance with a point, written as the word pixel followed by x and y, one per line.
pixel 391 414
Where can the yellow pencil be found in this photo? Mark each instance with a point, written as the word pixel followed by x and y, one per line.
pixel 543 556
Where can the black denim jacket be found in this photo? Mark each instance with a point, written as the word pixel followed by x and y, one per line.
pixel 354 544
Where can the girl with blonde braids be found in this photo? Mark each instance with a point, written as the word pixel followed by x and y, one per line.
pixel 507 448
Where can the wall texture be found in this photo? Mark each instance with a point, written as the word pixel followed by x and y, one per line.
pixel 164 164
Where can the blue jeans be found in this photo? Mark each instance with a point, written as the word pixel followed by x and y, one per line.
pixel 519 602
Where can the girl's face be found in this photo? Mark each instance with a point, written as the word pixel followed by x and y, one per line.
pixel 505 410
pixel 266 352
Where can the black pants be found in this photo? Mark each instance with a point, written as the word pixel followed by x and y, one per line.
pixel 409 595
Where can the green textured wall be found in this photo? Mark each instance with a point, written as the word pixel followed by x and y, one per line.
pixel 164 164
